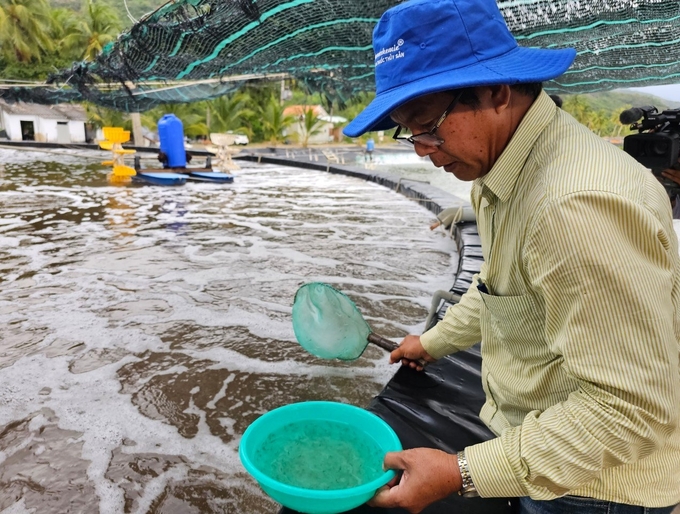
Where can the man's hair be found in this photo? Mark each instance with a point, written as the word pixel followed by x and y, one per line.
pixel 530 89
pixel 557 99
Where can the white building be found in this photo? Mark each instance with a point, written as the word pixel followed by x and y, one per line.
pixel 61 123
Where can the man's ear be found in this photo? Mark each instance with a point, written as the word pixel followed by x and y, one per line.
pixel 500 96
pixel 494 97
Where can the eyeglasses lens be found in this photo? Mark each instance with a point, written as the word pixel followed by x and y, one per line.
pixel 427 139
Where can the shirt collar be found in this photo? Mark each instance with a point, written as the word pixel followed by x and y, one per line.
pixel 503 176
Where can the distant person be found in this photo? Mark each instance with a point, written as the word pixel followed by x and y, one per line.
pixel 577 303
pixel 370 146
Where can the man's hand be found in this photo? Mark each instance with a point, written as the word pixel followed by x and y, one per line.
pixel 409 351
pixel 428 475
pixel 671 174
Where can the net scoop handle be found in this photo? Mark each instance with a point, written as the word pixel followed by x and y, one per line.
pixel 390 346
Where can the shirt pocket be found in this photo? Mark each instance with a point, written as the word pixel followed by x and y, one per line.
pixel 514 323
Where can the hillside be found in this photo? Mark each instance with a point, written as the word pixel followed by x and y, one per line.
pixel 614 100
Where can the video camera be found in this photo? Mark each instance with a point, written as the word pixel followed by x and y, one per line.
pixel 657 146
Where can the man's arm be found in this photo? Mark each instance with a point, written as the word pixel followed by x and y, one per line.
pixel 605 268
pixel 673 175
pixel 460 328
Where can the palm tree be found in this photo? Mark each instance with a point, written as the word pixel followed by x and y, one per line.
pixel 274 123
pixel 63 22
pixel 99 26
pixel 356 104
pixel 192 116
pixel 24 29
pixel 578 108
pixel 310 125
pixel 600 122
pixel 103 117
pixel 230 113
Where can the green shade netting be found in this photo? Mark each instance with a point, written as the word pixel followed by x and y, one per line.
pixel 328 324
pixel 326 45
pixel 138 99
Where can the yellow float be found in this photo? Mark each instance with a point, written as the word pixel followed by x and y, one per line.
pixel 114 137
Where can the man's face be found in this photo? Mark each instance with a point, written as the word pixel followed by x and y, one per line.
pixel 473 138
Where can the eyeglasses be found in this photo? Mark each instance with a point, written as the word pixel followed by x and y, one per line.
pixel 428 138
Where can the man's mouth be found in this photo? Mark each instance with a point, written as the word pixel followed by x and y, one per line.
pixel 450 167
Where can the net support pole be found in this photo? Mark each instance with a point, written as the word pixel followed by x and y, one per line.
pixel 137 136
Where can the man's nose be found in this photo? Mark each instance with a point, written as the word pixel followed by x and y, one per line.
pixel 424 150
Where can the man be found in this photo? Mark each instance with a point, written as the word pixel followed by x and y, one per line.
pixel 370 146
pixel 673 175
pixel 577 304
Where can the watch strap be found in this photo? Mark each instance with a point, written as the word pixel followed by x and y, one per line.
pixel 468 488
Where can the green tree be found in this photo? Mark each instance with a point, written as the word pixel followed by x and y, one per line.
pixel 102 117
pixel 356 104
pixel 274 123
pixel 310 125
pixel 231 112
pixel 98 26
pixel 259 93
pixel 63 22
pixel 603 121
pixel 25 30
pixel 192 116
pixel 578 108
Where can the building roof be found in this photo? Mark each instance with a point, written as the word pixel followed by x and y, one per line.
pixel 72 112
pixel 299 110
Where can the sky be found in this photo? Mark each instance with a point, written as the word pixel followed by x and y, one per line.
pixel 668 92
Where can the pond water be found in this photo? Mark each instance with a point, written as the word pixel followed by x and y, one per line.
pixel 396 159
pixel 408 165
pixel 144 328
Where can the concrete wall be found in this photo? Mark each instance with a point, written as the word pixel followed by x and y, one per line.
pixel 45 129
pixel 77 131
pixel 12 125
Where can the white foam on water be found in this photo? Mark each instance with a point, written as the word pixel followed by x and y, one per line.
pixel 105 417
pixel 18 508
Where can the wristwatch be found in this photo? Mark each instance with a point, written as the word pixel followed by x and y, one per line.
pixel 468 490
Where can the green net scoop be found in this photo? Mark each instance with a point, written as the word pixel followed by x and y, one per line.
pixel 328 324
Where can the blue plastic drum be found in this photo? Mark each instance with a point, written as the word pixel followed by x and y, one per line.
pixel 171 135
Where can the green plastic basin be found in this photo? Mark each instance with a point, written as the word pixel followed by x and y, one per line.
pixel 276 423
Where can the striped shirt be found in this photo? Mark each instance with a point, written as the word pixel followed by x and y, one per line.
pixel 578 311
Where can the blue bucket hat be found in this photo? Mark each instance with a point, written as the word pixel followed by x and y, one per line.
pixel 428 46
